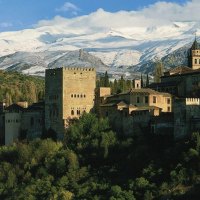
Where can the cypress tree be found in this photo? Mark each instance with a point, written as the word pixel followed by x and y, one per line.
pixel 147 80
pixel 158 71
pixel 142 84
pixel 106 80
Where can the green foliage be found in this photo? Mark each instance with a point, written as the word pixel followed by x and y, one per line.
pixel 158 71
pixel 17 87
pixel 117 86
pixel 90 135
pixel 94 163
pixel 116 193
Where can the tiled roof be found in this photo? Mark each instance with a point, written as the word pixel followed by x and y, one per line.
pixel 181 71
pixel 195 45
pixel 113 103
pixel 178 70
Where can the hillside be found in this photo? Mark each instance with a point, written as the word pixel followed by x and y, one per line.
pixel 18 87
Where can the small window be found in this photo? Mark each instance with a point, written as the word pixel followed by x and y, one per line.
pixel 154 99
pixel 78 112
pixel 168 101
pixel 81 95
pixel 72 112
pixel 138 99
pixel 75 96
pixel 168 109
pixel 146 99
pixel 78 95
pixel 195 61
pixel 72 95
pixel 84 95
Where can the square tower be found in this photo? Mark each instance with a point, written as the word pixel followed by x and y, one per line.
pixel 136 84
pixel 194 56
pixel 68 93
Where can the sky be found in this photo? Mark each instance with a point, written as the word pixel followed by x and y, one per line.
pixel 25 14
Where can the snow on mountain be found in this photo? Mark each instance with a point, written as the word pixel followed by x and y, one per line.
pixel 123 45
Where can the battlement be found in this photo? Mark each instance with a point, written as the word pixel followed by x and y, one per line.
pixel 192 101
pixel 71 69
pixel 79 68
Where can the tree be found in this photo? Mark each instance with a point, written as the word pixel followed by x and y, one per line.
pixel 158 71
pixel 147 80
pixel 106 80
pixel 142 84
pixel 90 134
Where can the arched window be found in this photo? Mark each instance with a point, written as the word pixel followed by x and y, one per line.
pixel 78 112
pixel 71 95
pixel 72 112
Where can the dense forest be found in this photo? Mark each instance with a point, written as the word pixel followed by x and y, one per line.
pixel 93 163
pixel 18 87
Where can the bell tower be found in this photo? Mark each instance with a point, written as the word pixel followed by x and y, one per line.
pixel 194 55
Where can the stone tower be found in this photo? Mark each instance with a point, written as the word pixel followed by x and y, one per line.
pixel 68 93
pixel 194 55
pixel 137 84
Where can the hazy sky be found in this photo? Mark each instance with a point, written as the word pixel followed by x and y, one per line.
pixel 21 14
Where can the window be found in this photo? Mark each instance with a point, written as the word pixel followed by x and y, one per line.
pixel 168 109
pixel 78 112
pixel 138 99
pixel 75 95
pixel 195 61
pixel 72 112
pixel 154 99
pixel 84 95
pixel 146 99
pixel 32 121
pixel 71 95
pixel 168 101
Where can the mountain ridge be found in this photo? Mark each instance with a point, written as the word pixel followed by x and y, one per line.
pixel 114 49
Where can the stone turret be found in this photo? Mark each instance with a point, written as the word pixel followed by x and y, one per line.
pixel 194 55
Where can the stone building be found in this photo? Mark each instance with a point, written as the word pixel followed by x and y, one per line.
pixel 32 122
pixel 186 116
pixel 68 93
pixel 144 97
pixel 21 122
pixel 183 81
pixel 130 112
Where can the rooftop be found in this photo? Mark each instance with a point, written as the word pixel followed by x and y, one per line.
pixel 181 71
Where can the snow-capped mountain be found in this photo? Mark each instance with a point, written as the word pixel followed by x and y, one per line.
pixel 125 48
